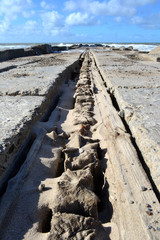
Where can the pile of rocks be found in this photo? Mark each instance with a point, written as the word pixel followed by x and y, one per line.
pixel 31 51
pixel 75 211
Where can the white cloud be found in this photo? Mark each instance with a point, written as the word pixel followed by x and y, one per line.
pixel 10 10
pixel 80 19
pixel 30 25
pixel 13 7
pixel 29 1
pixel 151 21
pixel 118 19
pixel 51 22
pixel 43 4
pixel 126 8
pixel 61 32
pixel 81 35
pixel 4 25
pixel 137 20
pixel 51 19
pixel 28 14
pixel 111 8
pixel 70 5
pixel 46 6
pixel 45 24
pixel 138 2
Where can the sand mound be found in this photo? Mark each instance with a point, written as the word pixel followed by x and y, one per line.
pixel 155 50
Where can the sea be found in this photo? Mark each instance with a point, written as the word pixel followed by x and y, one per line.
pixel 146 47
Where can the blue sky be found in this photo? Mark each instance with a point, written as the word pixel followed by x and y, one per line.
pixel 79 21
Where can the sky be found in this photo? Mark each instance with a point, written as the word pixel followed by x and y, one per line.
pixel 33 21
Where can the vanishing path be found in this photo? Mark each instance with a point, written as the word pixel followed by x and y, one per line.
pixel 82 178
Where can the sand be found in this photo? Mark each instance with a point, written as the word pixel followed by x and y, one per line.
pixel 84 176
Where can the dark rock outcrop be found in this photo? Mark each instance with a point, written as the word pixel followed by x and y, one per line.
pixel 42 49
pixel 74 227
pixel 11 53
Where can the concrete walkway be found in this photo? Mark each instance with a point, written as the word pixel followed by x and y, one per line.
pixel 135 88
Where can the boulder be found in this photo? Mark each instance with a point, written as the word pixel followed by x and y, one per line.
pixel 82 157
pixel 98 45
pixel 130 48
pixel 42 49
pixel 75 46
pixel 11 53
pixel 122 48
pixel 74 194
pixel 29 52
pixel 74 227
pixel 59 48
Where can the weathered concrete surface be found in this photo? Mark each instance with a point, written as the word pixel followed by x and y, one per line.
pixel 135 85
pixel 82 180
pixel 27 86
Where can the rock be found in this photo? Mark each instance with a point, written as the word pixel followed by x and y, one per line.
pixel 75 46
pixel 150 213
pixel 148 205
pixel 130 48
pixel 121 113
pixel 122 48
pixel 59 48
pixel 74 194
pixel 76 227
pixel 11 53
pixel 80 161
pixel 75 141
pixel 98 45
pixel 143 188
pixel 76 159
pixel 42 49
pixel 29 52
pixel 41 187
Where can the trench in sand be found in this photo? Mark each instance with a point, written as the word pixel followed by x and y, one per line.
pixel 86 166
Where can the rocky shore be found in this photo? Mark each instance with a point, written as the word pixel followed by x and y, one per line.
pixel 79 135
pixel 46 49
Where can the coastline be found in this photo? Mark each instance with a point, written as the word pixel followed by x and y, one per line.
pixel 139 46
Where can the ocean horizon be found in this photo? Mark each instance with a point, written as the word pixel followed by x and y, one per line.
pixel 139 46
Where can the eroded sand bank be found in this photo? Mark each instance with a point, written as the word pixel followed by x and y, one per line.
pixel 28 86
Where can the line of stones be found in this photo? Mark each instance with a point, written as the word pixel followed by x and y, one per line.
pixel 75 213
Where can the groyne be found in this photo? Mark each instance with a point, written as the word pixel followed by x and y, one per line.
pixel 89 167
